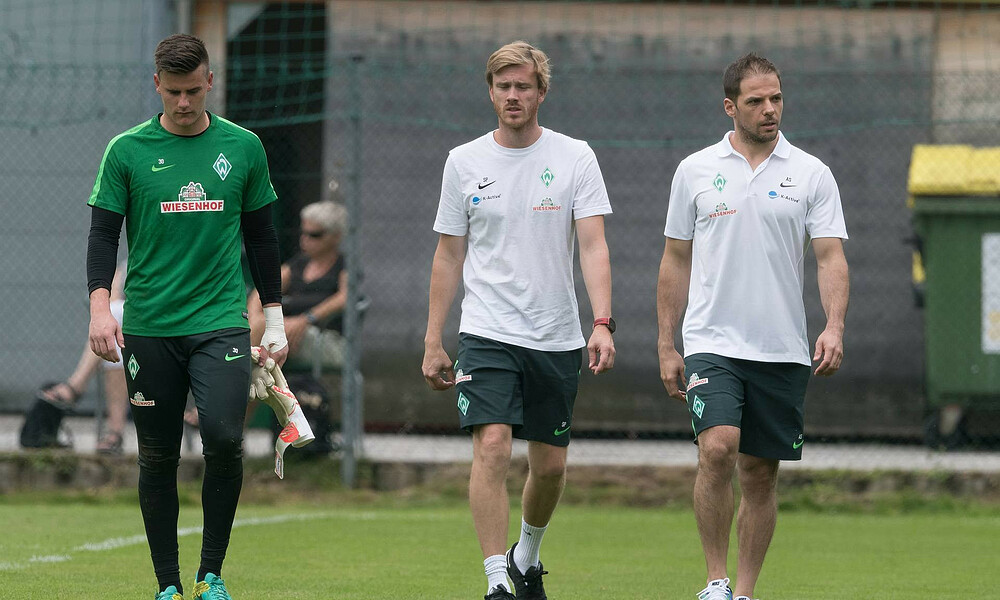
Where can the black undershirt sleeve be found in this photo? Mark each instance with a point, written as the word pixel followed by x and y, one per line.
pixel 261 241
pixel 102 248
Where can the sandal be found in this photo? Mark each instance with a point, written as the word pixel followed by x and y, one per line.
pixel 59 394
pixel 110 443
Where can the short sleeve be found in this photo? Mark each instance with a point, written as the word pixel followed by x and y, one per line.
pixel 258 191
pixel 681 208
pixel 111 185
pixel 590 195
pixel 825 216
pixel 452 218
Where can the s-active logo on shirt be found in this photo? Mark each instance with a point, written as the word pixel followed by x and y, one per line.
pixel 721 210
pixel 192 198
pixel 477 199
pixel 773 194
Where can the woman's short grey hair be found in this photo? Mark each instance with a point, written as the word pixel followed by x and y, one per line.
pixel 331 216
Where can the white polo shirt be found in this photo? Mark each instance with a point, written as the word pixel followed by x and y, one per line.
pixel 518 207
pixel 751 229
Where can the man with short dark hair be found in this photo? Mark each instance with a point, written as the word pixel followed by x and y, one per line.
pixel 512 204
pixel 741 216
pixel 191 187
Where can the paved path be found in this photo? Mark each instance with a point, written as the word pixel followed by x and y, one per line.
pixel 667 453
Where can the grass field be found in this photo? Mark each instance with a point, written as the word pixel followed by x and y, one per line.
pixel 365 547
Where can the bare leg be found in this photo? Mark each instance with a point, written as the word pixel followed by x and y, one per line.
pixel 76 383
pixel 491 445
pixel 546 479
pixel 116 399
pixel 756 519
pixel 85 368
pixel 116 394
pixel 713 494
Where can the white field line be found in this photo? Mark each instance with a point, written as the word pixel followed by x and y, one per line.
pixel 134 540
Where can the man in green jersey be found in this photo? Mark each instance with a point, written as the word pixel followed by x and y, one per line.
pixel 191 187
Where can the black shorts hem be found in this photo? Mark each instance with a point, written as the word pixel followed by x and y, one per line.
pixel 549 442
pixel 698 431
pixel 468 426
pixel 770 455
pixel 518 432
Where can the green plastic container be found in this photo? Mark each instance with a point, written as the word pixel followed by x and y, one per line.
pixel 955 198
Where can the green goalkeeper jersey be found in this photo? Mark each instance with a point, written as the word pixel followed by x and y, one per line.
pixel 182 197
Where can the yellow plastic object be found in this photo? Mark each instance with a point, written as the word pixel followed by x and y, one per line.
pixel 954 171
pixel 918 273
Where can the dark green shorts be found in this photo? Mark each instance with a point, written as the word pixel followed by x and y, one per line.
pixel 765 400
pixel 531 390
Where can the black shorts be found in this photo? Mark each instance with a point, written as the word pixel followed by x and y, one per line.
pixel 159 371
pixel 531 390
pixel 765 400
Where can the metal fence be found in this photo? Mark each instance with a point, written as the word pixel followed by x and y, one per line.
pixel 375 93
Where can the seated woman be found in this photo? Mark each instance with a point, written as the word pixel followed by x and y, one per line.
pixel 313 290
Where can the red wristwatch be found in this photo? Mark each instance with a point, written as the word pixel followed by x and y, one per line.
pixel 608 322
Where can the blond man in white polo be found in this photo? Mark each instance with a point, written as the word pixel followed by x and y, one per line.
pixel 741 216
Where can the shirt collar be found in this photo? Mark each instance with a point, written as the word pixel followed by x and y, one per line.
pixel 782 150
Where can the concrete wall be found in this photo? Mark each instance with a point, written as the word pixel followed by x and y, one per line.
pixel 967 78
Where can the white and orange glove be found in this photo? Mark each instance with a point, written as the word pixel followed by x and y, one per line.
pixel 268 385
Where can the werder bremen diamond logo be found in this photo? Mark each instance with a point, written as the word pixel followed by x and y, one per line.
pixel 547 177
pixel 463 403
pixel 133 367
pixel 698 406
pixel 719 182
pixel 222 166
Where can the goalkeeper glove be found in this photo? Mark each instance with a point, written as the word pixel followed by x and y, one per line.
pixel 268 385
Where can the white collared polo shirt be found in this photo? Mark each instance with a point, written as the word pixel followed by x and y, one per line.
pixel 750 231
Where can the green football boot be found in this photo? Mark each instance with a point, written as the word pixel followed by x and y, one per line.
pixel 213 588
pixel 170 593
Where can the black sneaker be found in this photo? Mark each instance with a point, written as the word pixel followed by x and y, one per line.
pixel 499 593
pixel 529 585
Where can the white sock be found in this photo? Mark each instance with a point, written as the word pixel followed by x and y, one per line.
pixel 496 572
pixel 526 553
pixel 742 598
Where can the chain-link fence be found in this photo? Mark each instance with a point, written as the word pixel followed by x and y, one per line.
pixel 373 94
